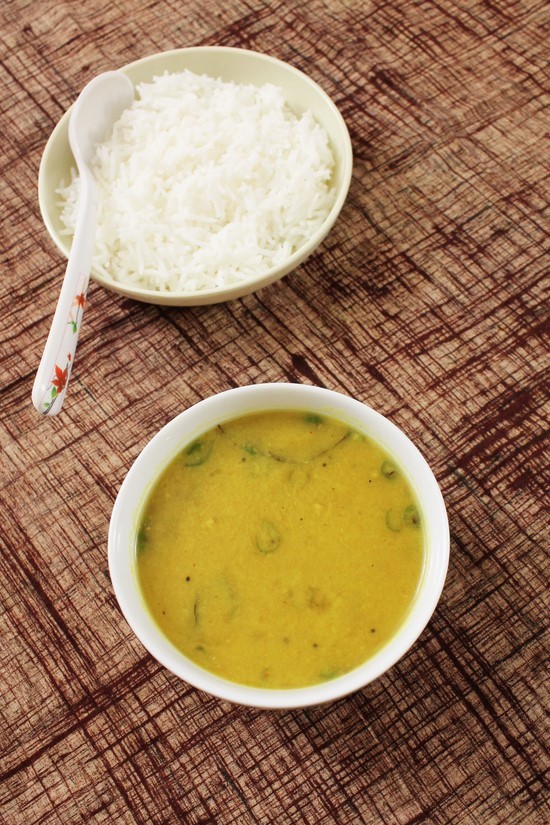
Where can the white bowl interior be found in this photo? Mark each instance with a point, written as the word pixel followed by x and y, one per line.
pixel 216 409
pixel 229 64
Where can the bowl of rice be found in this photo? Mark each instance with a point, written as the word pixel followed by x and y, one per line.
pixel 226 172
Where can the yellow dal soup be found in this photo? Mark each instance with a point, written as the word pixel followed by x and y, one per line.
pixel 280 549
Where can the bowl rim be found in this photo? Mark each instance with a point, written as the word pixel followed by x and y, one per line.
pixel 198 418
pixel 221 293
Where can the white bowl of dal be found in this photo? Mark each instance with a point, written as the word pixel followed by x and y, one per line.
pixel 219 412
pixel 231 65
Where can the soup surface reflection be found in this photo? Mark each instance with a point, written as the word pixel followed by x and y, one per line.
pixel 280 549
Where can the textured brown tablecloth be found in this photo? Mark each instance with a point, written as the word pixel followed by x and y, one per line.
pixel 425 301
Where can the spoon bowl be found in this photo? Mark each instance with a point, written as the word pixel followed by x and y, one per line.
pixel 97 108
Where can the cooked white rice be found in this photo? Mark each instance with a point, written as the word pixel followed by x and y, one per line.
pixel 204 184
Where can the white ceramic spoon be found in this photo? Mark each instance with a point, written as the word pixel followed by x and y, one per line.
pixel 98 106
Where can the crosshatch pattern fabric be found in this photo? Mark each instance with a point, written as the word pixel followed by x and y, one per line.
pixel 426 301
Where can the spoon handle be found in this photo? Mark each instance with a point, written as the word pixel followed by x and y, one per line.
pixel 52 377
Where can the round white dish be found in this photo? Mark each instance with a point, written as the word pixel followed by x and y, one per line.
pixel 229 64
pixel 227 405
